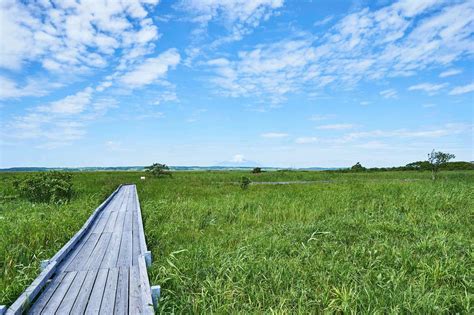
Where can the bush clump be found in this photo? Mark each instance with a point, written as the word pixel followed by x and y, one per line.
pixel 46 187
pixel 245 182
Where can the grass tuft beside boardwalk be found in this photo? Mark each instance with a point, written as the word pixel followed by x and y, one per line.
pixel 365 242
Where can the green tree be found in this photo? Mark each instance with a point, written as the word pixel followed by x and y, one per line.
pixel 436 159
pixel 256 170
pixel 158 170
pixel 358 167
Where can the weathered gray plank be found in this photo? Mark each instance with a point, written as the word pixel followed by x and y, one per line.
pixel 141 233
pixel 59 294
pixel 145 290
pixel 126 193
pixel 125 255
pixel 111 257
pixel 95 259
pixel 47 294
pixel 102 220
pixel 109 227
pixel 127 226
pixel 72 294
pixel 84 253
pixel 108 300
pixel 135 301
pixel 121 299
pixel 83 297
pixel 93 306
pixel 135 239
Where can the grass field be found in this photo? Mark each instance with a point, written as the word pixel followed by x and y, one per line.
pixel 354 242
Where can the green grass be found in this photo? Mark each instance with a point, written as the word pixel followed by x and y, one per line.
pixel 365 242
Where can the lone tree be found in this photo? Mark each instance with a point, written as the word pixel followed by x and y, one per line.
pixel 158 170
pixel 256 170
pixel 358 167
pixel 436 159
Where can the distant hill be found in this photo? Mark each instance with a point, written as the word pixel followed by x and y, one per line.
pixel 141 168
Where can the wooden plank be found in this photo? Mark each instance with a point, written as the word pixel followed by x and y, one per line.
pixel 125 201
pixel 127 226
pixel 95 259
pixel 95 299
pixel 109 227
pixel 59 294
pixel 141 233
pixel 108 300
pixel 111 257
pixel 38 306
pixel 145 290
pixel 135 239
pixel 125 255
pixel 102 220
pixel 135 301
pixel 73 254
pixel 121 299
pixel 72 294
pixel 83 297
pixel 84 254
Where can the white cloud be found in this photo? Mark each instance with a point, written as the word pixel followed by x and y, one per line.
pixel 238 158
pixel 446 130
pixel 166 97
pixel 449 73
pixel 59 122
pixel 72 104
pixel 238 16
pixel 273 135
pixel 398 40
pixel 390 93
pixel 429 88
pixel 428 105
pixel 10 89
pixel 462 89
pixel 151 69
pixel 320 117
pixel 324 21
pixel 335 127
pixel 70 35
pixel 306 140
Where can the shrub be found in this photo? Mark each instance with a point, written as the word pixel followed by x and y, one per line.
pixel 46 187
pixel 257 170
pixel 158 170
pixel 245 182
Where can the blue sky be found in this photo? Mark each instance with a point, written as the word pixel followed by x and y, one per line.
pixel 208 82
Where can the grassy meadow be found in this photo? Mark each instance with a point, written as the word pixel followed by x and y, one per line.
pixel 346 242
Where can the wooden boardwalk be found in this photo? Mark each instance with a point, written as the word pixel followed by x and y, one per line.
pixel 105 271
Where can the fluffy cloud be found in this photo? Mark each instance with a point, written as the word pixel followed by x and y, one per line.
pixel 449 73
pixel 10 89
pixel 462 89
pixel 429 88
pixel 398 40
pixel 335 127
pixel 152 69
pixel 59 122
pixel 239 16
pixel 65 35
pixel 306 140
pixel 390 93
pixel 273 135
